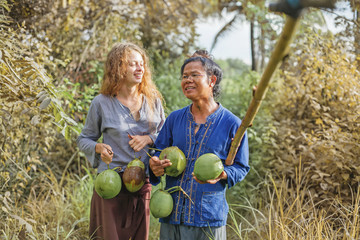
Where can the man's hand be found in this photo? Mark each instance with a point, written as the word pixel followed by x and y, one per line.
pixel 105 152
pixel 222 175
pixel 157 165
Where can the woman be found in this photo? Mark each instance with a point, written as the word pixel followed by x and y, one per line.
pixel 205 126
pixel 128 114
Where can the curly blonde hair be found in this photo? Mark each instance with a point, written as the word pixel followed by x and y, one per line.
pixel 115 71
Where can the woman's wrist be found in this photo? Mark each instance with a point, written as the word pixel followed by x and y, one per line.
pixel 151 142
pixel 98 147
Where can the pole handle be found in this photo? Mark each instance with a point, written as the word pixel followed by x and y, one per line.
pixel 280 51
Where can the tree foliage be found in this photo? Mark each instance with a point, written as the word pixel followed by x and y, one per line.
pixel 30 112
pixel 350 25
pixel 309 140
pixel 79 31
pixel 317 118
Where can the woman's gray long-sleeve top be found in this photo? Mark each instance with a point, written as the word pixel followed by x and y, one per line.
pixel 109 118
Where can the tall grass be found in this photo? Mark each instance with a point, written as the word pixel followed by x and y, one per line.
pixel 51 211
pixel 291 213
pixel 55 211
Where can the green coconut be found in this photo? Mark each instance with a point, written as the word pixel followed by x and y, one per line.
pixel 208 166
pixel 161 204
pixel 108 184
pixel 177 158
pixel 134 175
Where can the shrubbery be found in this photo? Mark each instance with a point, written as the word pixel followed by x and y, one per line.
pixel 318 119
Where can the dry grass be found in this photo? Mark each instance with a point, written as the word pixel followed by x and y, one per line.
pixel 291 214
pixel 53 211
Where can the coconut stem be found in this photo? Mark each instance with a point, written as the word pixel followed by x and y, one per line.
pixel 117 168
pixel 178 188
pixel 163 182
pixel 155 149
pixel 146 153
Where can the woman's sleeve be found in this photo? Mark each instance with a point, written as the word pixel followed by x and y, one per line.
pixel 163 140
pixel 240 168
pixel 160 111
pixel 90 134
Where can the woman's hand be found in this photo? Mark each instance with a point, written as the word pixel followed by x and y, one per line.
pixel 138 142
pixel 158 166
pixel 105 152
pixel 222 175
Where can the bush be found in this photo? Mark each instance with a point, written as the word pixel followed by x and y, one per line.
pixel 318 119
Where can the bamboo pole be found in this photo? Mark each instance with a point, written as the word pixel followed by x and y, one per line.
pixel 280 52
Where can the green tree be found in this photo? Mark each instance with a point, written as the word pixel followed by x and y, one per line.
pixel 77 32
pixel 30 114
pixel 318 118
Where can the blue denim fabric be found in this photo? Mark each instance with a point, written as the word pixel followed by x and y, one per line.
pixel 209 206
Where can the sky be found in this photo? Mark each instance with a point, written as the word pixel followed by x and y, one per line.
pixel 236 43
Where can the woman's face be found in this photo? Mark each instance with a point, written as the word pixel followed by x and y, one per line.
pixel 195 83
pixel 135 68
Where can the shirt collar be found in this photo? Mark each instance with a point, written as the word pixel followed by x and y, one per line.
pixel 210 117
